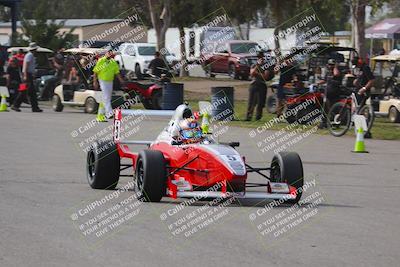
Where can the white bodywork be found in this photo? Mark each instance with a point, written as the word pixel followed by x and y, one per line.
pixel 130 56
pixel 80 96
pixel 385 105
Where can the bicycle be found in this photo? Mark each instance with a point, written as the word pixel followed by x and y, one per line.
pixel 341 114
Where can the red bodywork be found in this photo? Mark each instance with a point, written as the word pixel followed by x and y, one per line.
pixel 202 168
pixel 144 90
pixel 291 100
pixel 221 61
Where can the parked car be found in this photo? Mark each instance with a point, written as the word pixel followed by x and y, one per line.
pixel 83 93
pixel 137 56
pixel 199 41
pixel 385 97
pixel 233 58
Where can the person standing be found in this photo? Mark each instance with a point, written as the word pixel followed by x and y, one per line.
pixel 332 80
pixel 258 88
pixel 28 70
pixel 105 71
pixel 287 72
pixel 364 82
pixel 13 76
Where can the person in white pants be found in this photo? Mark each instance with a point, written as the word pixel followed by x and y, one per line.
pixel 104 73
pixel 106 90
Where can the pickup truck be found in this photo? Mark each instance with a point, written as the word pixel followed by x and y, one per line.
pixel 233 58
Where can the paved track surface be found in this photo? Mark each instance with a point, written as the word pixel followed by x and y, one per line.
pixel 43 184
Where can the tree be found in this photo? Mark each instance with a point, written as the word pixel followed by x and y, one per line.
pixel 358 22
pixel 357 8
pixel 248 14
pixel 183 16
pixel 160 15
pixel 45 32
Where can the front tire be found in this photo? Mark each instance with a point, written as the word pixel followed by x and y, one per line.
pixel 394 115
pixel 91 106
pixel 151 175
pixel 339 119
pixel 286 167
pixel 103 165
pixel 57 105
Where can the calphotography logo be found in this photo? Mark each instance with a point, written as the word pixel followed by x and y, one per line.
pixel 197 133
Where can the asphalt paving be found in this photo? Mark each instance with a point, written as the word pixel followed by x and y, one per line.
pixel 51 217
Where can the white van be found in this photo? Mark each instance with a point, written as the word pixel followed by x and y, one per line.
pixel 137 56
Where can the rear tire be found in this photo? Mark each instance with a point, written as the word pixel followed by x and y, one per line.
pixel 103 165
pixel 286 167
pixel 207 70
pixel 394 115
pixel 232 72
pixel 91 106
pixel 147 104
pixel 339 119
pixel 156 98
pixel 150 175
pixel 57 105
pixel 310 115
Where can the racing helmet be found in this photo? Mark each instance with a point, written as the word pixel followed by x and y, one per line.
pixel 183 111
pixel 190 130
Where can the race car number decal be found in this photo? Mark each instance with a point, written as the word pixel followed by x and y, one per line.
pixel 117 130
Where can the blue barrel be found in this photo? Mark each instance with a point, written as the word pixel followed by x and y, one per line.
pixel 172 96
pixel 222 103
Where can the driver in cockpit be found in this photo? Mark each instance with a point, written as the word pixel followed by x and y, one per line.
pixel 185 129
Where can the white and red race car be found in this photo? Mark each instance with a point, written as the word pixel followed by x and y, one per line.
pixel 176 168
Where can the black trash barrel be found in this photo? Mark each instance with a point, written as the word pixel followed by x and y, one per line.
pixel 222 103
pixel 172 95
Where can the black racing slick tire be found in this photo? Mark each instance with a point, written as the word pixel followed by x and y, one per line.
pixel 287 167
pixel 103 165
pixel 150 175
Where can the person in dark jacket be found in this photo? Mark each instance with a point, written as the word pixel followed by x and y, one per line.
pixel 258 88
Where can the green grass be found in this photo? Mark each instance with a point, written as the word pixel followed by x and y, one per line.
pixel 382 128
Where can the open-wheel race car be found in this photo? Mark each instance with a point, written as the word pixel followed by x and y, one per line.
pixel 183 162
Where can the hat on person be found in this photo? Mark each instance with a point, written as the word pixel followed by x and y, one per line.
pixel 33 46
